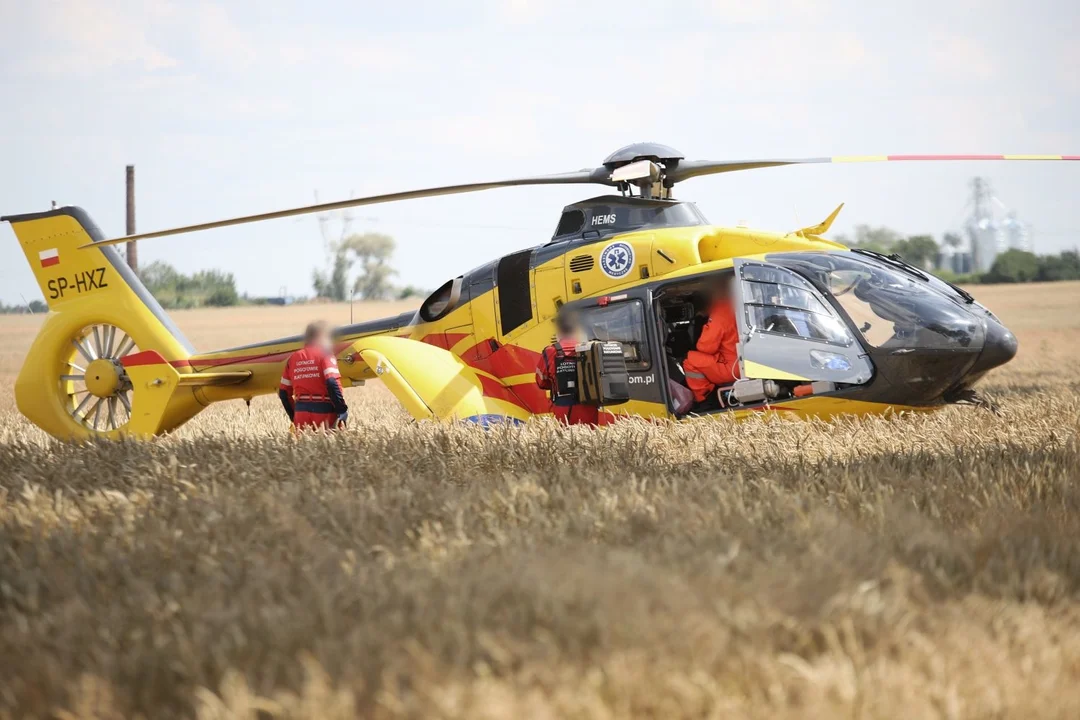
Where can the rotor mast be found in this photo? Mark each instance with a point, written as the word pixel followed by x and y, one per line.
pixel 646 167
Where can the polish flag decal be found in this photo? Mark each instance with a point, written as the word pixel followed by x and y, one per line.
pixel 49 257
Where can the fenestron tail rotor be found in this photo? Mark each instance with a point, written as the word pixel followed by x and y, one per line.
pixel 653 169
pixel 94 386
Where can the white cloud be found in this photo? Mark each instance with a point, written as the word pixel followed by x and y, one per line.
pixel 520 12
pixel 962 57
pixel 220 38
pixel 85 38
pixel 752 12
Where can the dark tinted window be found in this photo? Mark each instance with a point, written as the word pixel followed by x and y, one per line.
pixel 515 297
pixel 602 217
pixel 889 307
pixel 623 323
pixel 570 222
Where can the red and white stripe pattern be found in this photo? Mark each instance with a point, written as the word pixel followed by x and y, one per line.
pixel 894 158
pixel 49 257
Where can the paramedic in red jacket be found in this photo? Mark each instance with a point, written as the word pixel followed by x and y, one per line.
pixel 714 361
pixel 311 385
pixel 556 372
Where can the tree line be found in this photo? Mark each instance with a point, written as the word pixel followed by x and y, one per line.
pixel 358 268
pixel 32 307
pixel 1011 266
pixel 175 290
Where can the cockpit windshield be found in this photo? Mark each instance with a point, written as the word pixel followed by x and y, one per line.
pixel 889 307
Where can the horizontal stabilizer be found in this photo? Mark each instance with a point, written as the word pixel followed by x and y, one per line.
pixel 198 379
pixel 433 383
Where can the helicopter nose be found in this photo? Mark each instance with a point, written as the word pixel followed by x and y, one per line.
pixel 999 348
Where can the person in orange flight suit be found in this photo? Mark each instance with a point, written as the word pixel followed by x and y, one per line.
pixel 714 361
pixel 556 372
pixel 310 389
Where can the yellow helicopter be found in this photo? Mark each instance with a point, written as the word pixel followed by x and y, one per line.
pixel 824 330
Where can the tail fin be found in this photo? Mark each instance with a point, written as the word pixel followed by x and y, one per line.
pixel 90 279
pixel 72 383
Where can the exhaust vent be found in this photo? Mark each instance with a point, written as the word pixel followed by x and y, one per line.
pixel 581 263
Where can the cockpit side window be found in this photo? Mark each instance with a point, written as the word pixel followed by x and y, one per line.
pixel 779 302
pixel 623 323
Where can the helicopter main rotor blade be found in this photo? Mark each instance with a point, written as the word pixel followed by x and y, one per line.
pixel 599 175
pixel 679 171
pixel 687 169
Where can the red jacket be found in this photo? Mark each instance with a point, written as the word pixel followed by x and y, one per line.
pixel 310 389
pixel 715 360
pixel 567 409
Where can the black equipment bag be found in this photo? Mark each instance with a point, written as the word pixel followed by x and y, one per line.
pixel 602 375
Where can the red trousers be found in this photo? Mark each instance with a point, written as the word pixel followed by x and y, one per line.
pixel 313 421
pixel 577 414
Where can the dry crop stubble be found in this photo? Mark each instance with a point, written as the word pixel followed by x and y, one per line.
pixel 925 565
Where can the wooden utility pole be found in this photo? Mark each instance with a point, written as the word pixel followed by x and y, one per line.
pixel 132 250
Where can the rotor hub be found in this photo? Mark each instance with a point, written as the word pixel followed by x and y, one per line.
pixel 644 166
pixel 656 152
pixel 104 377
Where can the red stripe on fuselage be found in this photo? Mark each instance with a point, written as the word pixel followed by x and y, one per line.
pixel 241 360
pixel 507 361
pixel 494 389
pixel 532 397
pixel 146 357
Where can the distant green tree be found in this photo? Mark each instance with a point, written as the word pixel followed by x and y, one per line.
pixel 1065 266
pixel 878 239
pixel 918 250
pixel 410 291
pixel 333 284
pixel 222 298
pixel 176 290
pixel 370 253
pixel 959 278
pixel 1013 266
pixel 34 306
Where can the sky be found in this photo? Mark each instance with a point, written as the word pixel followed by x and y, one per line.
pixel 231 107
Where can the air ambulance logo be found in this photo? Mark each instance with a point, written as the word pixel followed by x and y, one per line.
pixel 49 257
pixel 617 259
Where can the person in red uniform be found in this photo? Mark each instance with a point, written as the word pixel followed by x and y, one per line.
pixel 714 361
pixel 310 386
pixel 556 372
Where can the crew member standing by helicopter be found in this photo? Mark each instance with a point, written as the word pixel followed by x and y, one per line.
pixel 557 372
pixel 310 386
pixel 714 361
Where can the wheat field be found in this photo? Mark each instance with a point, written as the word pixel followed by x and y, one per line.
pixel 899 567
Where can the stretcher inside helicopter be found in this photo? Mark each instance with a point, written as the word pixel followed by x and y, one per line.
pixel 837 324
